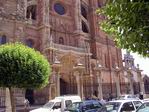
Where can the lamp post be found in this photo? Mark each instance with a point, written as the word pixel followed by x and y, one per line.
pixel 117 69
pixel 56 67
pixel 130 79
pixel 98 69
pixel 140 79
pixel 79 69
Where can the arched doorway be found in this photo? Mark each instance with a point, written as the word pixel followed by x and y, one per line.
pixel 68 80
pixel 29 95
pixel 63 87
pixel 68 87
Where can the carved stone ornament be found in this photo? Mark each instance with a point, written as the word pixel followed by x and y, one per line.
pixel 21 7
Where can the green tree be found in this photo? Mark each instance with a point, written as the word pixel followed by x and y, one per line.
pixel 127 21
pixel 22 67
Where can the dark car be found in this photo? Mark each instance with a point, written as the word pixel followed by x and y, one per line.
pixel 85 106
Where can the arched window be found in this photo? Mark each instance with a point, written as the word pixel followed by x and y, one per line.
pixel 83 12
pixel 3 39
pixel 84 27
pixel 31 12
pixel 61 40
pixel 29 43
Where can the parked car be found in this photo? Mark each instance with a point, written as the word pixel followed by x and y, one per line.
pixel 59 104
pixel 144 107
pixel 85 106
pixel 121 106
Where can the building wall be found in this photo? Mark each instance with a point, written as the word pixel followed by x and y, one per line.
pixel 71 36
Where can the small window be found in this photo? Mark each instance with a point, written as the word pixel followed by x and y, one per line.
pixel 61 40
pixel 59 8
pixel 31 12
pixel 3 39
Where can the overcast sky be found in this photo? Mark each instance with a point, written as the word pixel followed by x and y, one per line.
pixel 143 62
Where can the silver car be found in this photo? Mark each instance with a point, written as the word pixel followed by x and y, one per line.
pixel 121 106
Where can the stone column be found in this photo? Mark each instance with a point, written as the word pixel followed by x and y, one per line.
pixel 80 70
pixel 100 95
pixel 78 15
pixel 117 81
pixel 78 84
pixel 92 89
pixel 58 84
pixel 130 75
pixel 56 67
pixel 142 90
pixel 99 80
pixel 43 22
pixel 82 89
pixel 43 12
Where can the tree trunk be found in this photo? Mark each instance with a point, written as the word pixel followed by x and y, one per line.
pixel 12 99
pixel 7 101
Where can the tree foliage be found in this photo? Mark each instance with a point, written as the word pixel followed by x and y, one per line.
pixel 128 22
pixel 22 67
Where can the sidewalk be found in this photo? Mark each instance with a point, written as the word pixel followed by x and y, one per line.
pixel 22 108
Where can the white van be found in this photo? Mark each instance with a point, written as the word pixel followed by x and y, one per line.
pixel 59 104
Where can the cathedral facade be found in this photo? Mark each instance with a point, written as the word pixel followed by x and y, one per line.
pixel 84 60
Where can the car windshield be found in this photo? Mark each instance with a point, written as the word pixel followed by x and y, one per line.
pixel 48 105
pixel 111 107
pixel 143 108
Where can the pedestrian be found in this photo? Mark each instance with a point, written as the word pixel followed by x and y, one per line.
pixel 102 101
pixel 26 105
pixel 141 95
pixel 110 97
